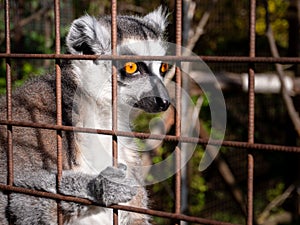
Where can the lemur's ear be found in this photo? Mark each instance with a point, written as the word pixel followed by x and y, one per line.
pixel 158 18
pixel 88 36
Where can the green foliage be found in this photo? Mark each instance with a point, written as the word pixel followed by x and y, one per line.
pixel 276 191
pixel 141 123
pixel 28 69
pixel 205 112
pixel 2 77
pixel 277 10
pixel 198 186
pixel 228 216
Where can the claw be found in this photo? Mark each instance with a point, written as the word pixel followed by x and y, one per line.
pixel 122 166
pixel 112 186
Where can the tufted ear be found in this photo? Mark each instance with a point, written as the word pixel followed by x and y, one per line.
pixel 158 18
pixel 88 36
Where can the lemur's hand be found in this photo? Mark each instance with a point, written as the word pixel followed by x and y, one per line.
pixel 112 186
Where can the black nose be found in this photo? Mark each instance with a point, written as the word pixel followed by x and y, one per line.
pixel 162 104
pixel 152 104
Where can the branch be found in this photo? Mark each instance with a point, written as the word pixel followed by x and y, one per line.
pixel 200 27
pixel 264 216
pixel 285 95
pixel 225 172
pixel 279 218
pixel 41 12
pixel 265 83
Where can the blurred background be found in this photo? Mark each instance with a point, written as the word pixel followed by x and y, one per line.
pixel 210 28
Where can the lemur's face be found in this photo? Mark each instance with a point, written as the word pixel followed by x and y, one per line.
pixel 141 88
pixel 140 83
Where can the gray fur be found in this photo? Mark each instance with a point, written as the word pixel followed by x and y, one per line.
pixel 87 33
pixel 34 150
pixel 110 187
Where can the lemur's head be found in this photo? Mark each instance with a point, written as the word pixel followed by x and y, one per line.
pixel 140 83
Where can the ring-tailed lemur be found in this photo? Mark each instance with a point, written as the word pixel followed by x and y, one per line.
pixel 86 101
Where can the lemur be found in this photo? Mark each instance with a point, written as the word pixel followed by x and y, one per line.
pixel 86 102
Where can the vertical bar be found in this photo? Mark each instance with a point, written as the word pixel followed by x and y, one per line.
pixel 250 189
pixel 178 108
pixel 251 74
pixel 58 105
pixel 251 118
pixel 114 93
pixel 114 78
pixel 10 166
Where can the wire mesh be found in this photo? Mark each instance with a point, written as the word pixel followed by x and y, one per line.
pixel 248 146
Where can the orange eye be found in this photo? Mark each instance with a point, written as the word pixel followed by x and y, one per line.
pixel 164 67
pixel 130 67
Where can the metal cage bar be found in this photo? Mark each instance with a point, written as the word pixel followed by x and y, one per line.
pixel 114 94
pixel 208 59
pixel 169 138
pixel 10 171
pixel 10 165
pixel 58 107
pixel 212 59
pixel 178 109
pixel 251 111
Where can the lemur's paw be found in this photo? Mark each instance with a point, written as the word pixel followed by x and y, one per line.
pixel 114 186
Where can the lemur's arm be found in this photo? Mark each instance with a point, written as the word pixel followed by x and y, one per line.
pixel 110 187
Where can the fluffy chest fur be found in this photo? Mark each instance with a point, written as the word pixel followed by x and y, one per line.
pixel 93 103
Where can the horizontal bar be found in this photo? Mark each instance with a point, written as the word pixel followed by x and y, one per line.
pixel 219 59
pixel 120 207
pixel 170 138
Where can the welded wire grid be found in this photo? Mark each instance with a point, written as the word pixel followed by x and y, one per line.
pixel 178 58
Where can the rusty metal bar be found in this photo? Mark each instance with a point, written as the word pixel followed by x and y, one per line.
pixel 58 90
pixel 10 166
pixel 118 207
pixel 114 94
pixel 178 78
pixel 168 138
pixel 211 59
pixel 58 106
pixel 251 74
pixel 114 78
pixel 250 189
pixel 251 109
